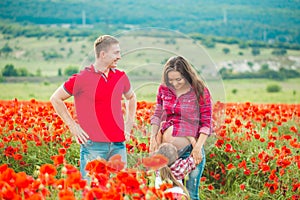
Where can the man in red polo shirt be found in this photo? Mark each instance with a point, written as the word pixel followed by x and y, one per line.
pixel 98 90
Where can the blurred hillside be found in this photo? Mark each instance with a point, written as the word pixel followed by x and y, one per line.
pixel 268 21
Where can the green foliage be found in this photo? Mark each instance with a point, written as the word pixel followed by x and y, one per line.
pixel 263 73
pixel 1 78
pixel 243 45
pixel 22 71
pixel 6 49
pixel 46 83
pixel 226 50
pixel 59 73
pixel 289 73
pixel 9 70
pixel 38 72
pixel 70 52
pixel 51 55
pixel 264 67
pixel 279 52
pixel 250 64
pixel 273 88
pixel 255 51
pixel 209 43
pixel 170 41
pixel 71 70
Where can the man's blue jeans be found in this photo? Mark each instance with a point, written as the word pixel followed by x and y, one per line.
pixel 193 182
pixel 93 150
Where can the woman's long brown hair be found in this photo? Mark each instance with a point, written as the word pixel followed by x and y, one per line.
pixel 180 64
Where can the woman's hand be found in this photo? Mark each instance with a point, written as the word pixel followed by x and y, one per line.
pixel 197 150
pixel 197 153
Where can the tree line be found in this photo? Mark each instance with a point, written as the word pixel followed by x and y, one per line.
pixel 13 30
pixel 263 73
pixel 268 21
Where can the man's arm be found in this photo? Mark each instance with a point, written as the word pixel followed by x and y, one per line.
pixel 57 99
pixel 132 104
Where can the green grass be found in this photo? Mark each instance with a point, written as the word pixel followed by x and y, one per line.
pixel 252 90
pixel 143 59
pixel 28 53
pixel 27 91
pixel 137 51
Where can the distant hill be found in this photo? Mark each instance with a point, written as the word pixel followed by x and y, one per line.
pixel 260 20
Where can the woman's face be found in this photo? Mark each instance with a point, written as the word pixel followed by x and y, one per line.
pixel 176 80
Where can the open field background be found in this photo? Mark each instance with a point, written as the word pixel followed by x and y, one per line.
pixel 247 91
pixel 28 52
pixel 143 59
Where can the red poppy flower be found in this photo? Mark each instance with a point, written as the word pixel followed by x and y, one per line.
pixel 22 180
pixel 94 193
pixel 155 162
pixel 229 148
pixel 274 129
pixel 293 129
pixel 247 172
pixel 115 163
pixel 48 169
pixel 230 166
pixel 58 159
pixel 66 194
pixel 272 187
pixel 210 187
pixel 219 143
pixel 242 186
pixel 62 151
pixel 273 176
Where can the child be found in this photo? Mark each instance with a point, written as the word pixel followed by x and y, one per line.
pixel 175 171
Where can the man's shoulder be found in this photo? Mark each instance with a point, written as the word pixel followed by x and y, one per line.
pixel 119 71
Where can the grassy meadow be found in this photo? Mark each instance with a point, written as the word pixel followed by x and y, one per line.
pixel 143 59
pixel 246 91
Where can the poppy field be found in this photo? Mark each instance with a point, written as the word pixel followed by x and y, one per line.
pixel 254 154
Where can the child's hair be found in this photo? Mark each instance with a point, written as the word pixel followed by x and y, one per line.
pixel 170 151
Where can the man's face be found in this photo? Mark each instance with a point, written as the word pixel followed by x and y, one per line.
pixel 112 55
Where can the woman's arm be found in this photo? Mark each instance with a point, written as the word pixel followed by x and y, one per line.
pixel 205 108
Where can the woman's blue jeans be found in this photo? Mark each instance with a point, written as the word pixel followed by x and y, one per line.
pixel 93 150
pixel 193 182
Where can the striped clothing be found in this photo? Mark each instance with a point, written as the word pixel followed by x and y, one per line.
pixel 188 115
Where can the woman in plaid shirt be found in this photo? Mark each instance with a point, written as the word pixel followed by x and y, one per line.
pixel 183 116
